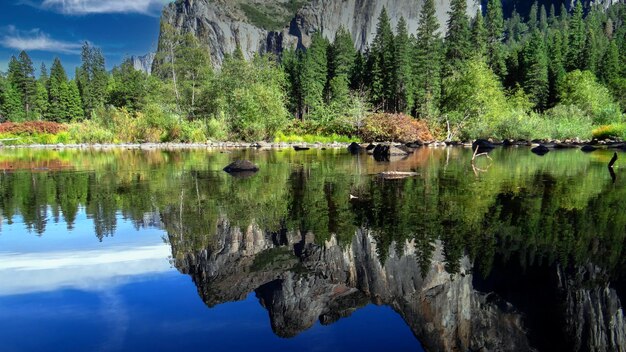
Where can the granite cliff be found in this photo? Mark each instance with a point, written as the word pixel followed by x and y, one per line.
pixel 272 25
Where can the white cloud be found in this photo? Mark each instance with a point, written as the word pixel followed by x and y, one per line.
pixel 95 270
pixel 36 40
pixel 84 7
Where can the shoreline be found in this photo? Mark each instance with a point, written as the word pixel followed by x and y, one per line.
pixel 551 144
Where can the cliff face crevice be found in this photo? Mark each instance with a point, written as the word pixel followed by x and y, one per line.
pixel 221 26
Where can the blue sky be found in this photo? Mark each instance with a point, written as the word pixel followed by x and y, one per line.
pixel 51 28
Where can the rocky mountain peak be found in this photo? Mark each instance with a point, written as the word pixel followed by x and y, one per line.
pixel 273 25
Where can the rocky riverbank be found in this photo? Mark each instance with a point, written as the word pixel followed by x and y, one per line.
pixel 395 148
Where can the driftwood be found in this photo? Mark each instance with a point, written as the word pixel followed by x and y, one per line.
pixel 476 155
pixel 611 171
pixel 613 160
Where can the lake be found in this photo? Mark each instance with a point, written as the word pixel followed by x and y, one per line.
pixel 130 250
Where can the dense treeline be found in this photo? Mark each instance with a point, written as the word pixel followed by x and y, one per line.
pixel 553 74
pixel 558 73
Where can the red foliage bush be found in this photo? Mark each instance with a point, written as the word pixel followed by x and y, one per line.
pixel 32 127
pixel 395 128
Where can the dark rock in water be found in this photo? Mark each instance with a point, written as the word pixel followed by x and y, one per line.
pixel 541 150
pixel 564 146
pixel 483 145
pixel 382 150
pixel 242 168
pixel 371 146
pixel 588 148
pixel 299 148
pixel 415 144
pixel 354 148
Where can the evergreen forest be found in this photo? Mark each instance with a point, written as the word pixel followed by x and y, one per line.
pixel 554 73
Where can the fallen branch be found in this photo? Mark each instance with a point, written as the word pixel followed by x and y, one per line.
pixel 476 155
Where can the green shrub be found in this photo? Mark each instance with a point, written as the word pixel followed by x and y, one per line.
pixel 89 132
pixel 581 89
pixel 311 138
pixel 610 131
pixel 216 129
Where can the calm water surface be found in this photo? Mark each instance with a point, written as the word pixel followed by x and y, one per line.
pixel 161 250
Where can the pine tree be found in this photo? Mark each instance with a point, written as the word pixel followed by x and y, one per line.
pixel 556 69
pixel 22 77
pixel 57 92
pixel 458 37
pixel 92 78
pixel 403 70
pixel 515 28
pixel 428 58
pixel 291 62
pixel 495 28
pixel 74 105
pixel 591 53
pixel 11 108
pixel 535 70
pixel 341 56
pixel 479 35
pixel 576 45
pixel 314 74
pixel 552 19
pixel 41 104
pixel 610 69
pixel 532 17
pixel 543 20
pixel 382 76
pixel 43 75
pixel 357 76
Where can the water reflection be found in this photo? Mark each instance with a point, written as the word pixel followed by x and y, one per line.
pixel 526 253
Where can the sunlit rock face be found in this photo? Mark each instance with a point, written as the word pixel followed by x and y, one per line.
pixel 599 304
pixel 300 282
pixel 221 25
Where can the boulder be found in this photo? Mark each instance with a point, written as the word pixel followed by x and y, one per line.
pixel 540 150
pixel 242 168
pixel 588 148
pixel 354 148
pixel 396 151
pixel 483 145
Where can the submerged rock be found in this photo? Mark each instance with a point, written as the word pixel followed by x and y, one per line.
pixel 588 148
pixel 541 150
pixel 242 168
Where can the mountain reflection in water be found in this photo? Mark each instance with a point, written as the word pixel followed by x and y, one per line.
pixel 524 254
